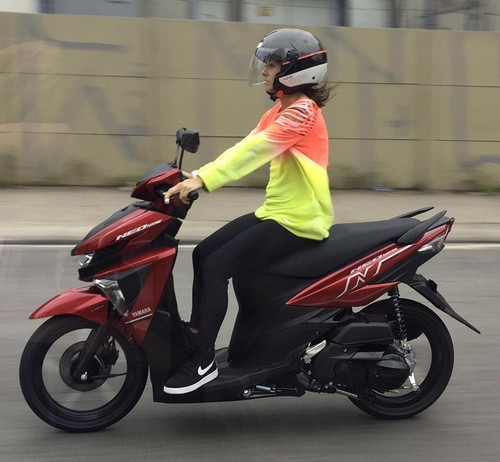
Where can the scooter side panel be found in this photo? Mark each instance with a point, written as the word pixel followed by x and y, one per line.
pixel 353 285
pixel 165 343
pixel 364 280
pixel 151 256
pixel 266 329
pixel 139 318
pixel 138 228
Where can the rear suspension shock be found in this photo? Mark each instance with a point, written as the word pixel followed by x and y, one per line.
pixel 403 338
pixel 394 294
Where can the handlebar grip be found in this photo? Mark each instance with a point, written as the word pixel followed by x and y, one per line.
pixel 193 195
pixel 161 189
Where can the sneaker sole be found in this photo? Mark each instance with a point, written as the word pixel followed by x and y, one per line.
pixel 180 391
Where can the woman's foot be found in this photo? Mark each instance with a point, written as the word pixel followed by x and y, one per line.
pixel 198 369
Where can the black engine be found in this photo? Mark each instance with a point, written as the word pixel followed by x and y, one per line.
pixel 356 368
pixel 360 355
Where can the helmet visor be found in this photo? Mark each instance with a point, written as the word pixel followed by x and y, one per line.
pixel 260 58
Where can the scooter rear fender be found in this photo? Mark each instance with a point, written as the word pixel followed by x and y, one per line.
pixel 86 302
pixel 428 289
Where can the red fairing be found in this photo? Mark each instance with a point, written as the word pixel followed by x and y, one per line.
pixel 139 228
pixel 152 256
pixel 146 189
pixel 351 286
pixel 86 302
pixel 139 318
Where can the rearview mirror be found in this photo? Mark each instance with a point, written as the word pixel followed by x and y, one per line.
pixel 188 139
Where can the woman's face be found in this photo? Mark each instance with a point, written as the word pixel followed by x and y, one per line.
pixel 269 73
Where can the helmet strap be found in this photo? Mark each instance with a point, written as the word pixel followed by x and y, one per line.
pixel 272 96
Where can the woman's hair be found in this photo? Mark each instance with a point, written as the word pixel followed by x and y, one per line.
pixel 320 94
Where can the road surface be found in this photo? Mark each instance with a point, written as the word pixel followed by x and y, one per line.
pixel 464 425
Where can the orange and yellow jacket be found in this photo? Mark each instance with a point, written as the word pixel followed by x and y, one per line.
pixel 295 141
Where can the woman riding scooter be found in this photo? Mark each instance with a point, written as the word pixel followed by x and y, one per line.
pixel 297 212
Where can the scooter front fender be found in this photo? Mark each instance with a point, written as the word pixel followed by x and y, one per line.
pixel 86 302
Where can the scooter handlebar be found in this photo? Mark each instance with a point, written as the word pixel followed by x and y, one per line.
pixel 161 190
pixel 193 195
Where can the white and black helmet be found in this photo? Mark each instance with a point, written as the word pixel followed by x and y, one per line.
pixel 301 55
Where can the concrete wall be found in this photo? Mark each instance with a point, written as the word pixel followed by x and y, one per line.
pixel 97 100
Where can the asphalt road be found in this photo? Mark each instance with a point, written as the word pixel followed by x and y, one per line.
pixel 464 425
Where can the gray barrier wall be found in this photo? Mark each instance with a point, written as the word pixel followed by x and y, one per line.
pixel 97 100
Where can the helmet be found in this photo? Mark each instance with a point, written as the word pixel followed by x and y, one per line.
pixel 301 55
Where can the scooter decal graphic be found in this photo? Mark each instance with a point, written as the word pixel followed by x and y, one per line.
pixel 137 230
pixel 359 277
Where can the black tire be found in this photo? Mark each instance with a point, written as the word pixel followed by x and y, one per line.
pixel 72 406
pixel 424 327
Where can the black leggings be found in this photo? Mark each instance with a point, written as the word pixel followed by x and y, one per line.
pixel 244 245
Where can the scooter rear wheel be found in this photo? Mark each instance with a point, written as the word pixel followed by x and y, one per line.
pixel 432 344
pixel 113 382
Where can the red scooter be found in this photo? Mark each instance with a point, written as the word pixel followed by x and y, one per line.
pixel 310 322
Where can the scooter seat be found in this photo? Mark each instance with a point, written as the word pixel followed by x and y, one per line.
pixel 347 242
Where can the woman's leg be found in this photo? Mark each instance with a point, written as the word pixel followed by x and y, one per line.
pixel 204 249
pixel 243 246
pixel 244 250
pixel 200 368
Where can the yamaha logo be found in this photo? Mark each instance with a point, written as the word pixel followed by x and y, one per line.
pixel 140 315
pixel 142 312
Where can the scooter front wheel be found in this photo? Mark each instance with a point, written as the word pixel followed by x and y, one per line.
pixel 110 387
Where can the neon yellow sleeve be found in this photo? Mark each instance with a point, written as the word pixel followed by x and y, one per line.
pixel 236 162
pixel 259 147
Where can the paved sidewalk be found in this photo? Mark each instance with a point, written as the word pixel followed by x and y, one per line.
pixel 66 214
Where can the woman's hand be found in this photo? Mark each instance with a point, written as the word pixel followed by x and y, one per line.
pixel 183 189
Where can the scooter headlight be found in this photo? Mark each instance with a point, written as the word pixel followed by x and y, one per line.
pixel 111 289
